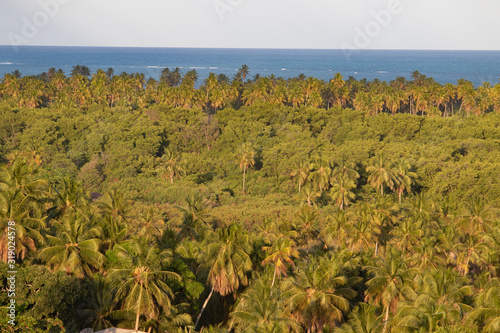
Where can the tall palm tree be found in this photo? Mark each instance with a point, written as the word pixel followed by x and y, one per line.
pixel 75 248
pixel 194 217
pixel 403 177
pixel 71 197
pixel 258 310
pixel 318 296
pixel 21 199
pixel 141 283
pixel 380 174
pixel 363 319
pixel 301 172
pixel 487 310
pixel 227 258
pixel 171 166
pixel 280 254
pixel 386 288
pixel 320 177
pixel 99 310
pixel 341 191
pixel 245 157
pixel 148 224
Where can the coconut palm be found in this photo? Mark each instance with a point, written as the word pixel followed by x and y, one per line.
pixel 142 282
pixel 476 218
pixel 301 172
pixel 380 174
pixel 194 217
pixel 320 177
pixel 403 177
pixel 341 191
pixel 75 248
pixel 147 224
pixel 318 296
pixel 21 199
pixel 390 277
pixel 310 194
pixel 257 310
pixel 487 311
pixel 171 166
pixel 227 259
pixel 280 255
pixel 245 157
pixel 363 319
pixel 71 196
pixel 99 307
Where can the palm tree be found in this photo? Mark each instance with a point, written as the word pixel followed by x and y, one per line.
pixel 341 193
pixel 21 195
pixel 171 166
pixel 380 174
pixel 70 197
pixel 242 73
pixel 321 174
pixel 310 194
pixel 363 319
pixel 448 291
pixel 318 295
pixel 193 217
pixel 75 249
pixel 403 177
pixel 477 217
pixel 300 171
pixel 148 224
pixel 487 310
pixel 281 255
pixel 99 310
pixel 257 310
pixel 141 284
pixel 386 288
pixel 245 157
pixel 228 260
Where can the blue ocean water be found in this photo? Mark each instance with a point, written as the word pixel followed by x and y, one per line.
pixel 443 66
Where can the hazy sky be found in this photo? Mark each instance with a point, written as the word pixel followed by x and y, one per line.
pixel 328 24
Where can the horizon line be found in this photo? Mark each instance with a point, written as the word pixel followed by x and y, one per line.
pixel 248 48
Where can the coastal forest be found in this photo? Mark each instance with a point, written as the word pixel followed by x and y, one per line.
pixel 249 204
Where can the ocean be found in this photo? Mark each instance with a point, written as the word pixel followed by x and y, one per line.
pixel 385 65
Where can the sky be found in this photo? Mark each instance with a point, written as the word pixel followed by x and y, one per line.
pixel 312 24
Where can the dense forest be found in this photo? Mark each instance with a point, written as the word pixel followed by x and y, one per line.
pixel 249 205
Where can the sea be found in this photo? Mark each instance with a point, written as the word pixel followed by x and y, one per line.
pixel 385 65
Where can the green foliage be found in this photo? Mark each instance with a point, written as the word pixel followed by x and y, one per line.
pixel 270 204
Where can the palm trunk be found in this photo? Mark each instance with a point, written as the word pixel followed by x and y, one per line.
pixel 138 315
pixel 203 308
pixel 386 318
pixel 244 173
pixel 382 190
pixel 272 283
pixel 399 193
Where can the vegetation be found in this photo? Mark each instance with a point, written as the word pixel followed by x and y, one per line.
pixel 250 205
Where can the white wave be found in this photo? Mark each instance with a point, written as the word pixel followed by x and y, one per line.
pixel 382 72
pixel 6 63
pixel 213 67
pixel 355 72
pixel 194 67
pixel 283 69
pixel 153 67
